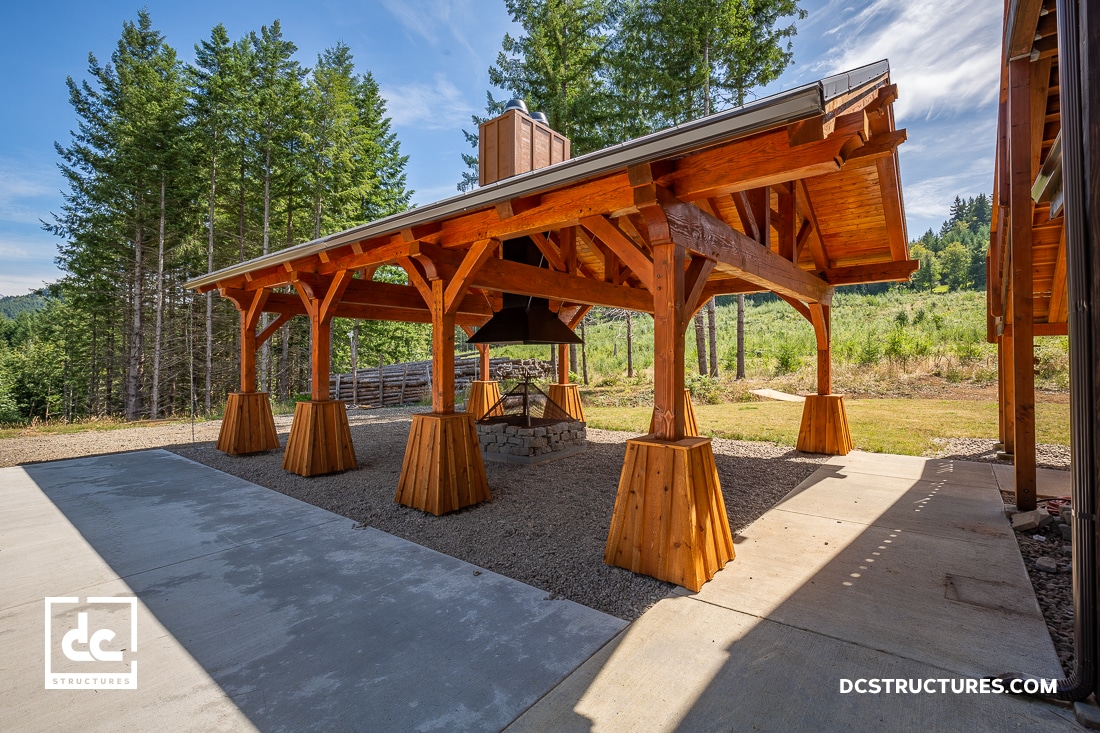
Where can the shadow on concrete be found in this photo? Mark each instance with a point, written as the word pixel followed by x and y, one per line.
pixel 880 568
pixel 306 623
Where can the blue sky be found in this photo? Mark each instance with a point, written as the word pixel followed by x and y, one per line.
pixel 430 58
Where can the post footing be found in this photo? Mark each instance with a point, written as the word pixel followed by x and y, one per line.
pixel 568 397
pixel 248 425
pixel 443 470
pixel 670 518
pixel 825 426
pixel 483 395
pixel 320 439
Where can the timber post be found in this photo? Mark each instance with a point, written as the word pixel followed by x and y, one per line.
pixel 1022 306
pixel 670 517
pixel 443 470
pixel 320 437
pixel 248 425
pixel 484 392
pixel 824 426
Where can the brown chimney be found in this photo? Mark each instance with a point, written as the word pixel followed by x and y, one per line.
pixel 516 143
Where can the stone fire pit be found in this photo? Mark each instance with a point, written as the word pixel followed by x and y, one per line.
pixel 505 440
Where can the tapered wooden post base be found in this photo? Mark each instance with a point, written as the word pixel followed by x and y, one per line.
pixel 483 395
pixel 248 425
pixel 320 439
pixel 825 426
pixel 670 519
pixel 443 470
pixel 691 426
pixel 568 397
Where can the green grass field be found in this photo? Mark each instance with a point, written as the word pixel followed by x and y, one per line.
pixel 904 426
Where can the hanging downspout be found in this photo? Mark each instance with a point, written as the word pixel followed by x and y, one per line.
pixel 1080 267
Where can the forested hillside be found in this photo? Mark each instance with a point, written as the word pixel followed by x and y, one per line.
pixel 175 169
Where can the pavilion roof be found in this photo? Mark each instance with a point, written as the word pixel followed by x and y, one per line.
pixel 811 174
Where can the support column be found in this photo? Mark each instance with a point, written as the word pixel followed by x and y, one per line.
pixel 824 426
pixel 320 437
pixel 484 392
pixel 248 425
pixel 1023 342
pixel 566 395
pixel 670 517
pixel 443 470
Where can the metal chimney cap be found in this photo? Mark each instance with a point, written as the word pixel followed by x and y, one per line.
pixel 541 117
pixel 516 104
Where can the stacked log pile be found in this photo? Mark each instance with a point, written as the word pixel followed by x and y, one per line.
pixel 404 384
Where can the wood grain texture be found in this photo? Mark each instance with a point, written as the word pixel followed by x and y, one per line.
pixel 248 425
pixel 568 398
pixel 483 395
pixel 443 469
pixel 691 425
pixel 825 426
pixel 320 440
pixel 670 518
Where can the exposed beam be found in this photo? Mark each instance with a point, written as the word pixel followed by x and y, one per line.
pixel 623 247
pixel 817 243
pixel 475 257
pixel 702 234
pixel 885 272
pixel 513 277
pixel 549 251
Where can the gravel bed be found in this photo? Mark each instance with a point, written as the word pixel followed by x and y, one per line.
pixel 981 449
pixel 546 525
pixel 1053 590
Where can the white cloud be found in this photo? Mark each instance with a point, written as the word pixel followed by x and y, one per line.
pixel 20 185
pixel 434 19
pixel 944 56
pixel 932 197
pixel 436 106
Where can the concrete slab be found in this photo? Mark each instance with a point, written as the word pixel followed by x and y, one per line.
pixel 258 610
pixel 773 394
pixel 1048 482
pixel 843 580
pixel 940 507
pixel 691 666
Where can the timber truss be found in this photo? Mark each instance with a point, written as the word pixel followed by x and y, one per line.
pixel 794 194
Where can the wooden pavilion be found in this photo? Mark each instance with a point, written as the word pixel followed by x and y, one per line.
pixel 1026 284
pixel 792 194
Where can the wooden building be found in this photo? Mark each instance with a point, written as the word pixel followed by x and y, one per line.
pixel 1027 284
pixel 792 194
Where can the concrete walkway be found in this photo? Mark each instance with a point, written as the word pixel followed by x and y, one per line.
pixel 874 567
pixel 257 611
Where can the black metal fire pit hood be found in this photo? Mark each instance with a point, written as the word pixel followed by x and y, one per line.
pixel 522 319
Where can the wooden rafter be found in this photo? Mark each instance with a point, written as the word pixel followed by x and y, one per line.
pixel 623 247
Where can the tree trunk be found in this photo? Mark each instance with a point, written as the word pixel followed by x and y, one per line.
pixel 573 358
pixel 629 344
pixel 209 384
pixel 741 336
pixel 265 350
pixel 701 342
pixel 137 335
pixel 712 336
pixel 584 354
pixel 355 363
pixel 158 331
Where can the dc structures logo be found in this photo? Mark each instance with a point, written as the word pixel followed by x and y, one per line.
pixel 91 645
